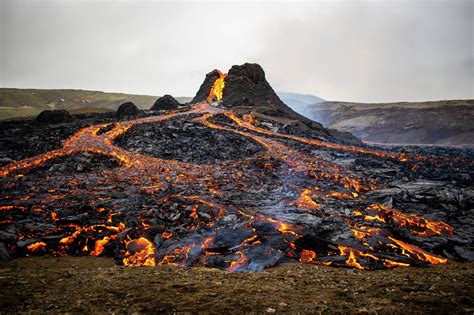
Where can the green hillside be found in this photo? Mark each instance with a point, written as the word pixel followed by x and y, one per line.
pixel 29 102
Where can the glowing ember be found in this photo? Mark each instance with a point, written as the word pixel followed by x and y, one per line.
pixel 35 247
pixel 307 256
pixel 417 225
pixel 141 252
pixel 351 257
pixel 305 201
pixel 54 216
pixel 166 235
pixel 99 246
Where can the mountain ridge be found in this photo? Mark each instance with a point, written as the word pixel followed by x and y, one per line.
pixel 445 122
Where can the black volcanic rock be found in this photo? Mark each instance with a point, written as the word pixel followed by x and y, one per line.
pixel 166 102
pixel 246 85
pixel 76 163
pixel 188 142
pixel 54 116
pixel 127 109
pixel 4 254
pixel 250 71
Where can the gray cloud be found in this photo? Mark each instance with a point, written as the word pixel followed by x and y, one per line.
pixel 344 50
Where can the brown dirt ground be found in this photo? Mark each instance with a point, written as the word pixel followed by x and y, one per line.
pixel 89 284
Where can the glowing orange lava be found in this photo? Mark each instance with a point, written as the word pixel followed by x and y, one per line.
pixel 217 89
pixel 152 175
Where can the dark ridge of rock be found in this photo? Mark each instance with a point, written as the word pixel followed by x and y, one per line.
pixel 184 141
pixel 166 102
pixel 203 92
pixel 20 139
pixel 444 122
pixel 127 109
pixel 54 116
pixel 74 164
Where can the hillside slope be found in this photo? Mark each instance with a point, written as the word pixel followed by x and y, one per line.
pixel 300 103
pixel 29 102
pixel 292 99
pixel 439 122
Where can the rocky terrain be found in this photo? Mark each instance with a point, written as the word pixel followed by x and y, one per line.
pixel 234 181
pixel 422 123
pixel 431 123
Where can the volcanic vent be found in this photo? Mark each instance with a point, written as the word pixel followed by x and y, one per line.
pixel 245 87
pixel 240 184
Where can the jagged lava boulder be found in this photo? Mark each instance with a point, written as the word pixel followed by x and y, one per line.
pixel 127 109
pixel 54 117
pixel 166 102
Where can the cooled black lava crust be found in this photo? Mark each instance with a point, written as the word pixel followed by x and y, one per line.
pixel 186 141
pixel 74 164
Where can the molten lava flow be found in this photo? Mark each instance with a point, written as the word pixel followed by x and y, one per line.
pixel 399 156
pixel 416 224
pixel 351 257
pixel 184 206
pixel 141 252
pixel 366 231
pixel 305 201
pixel 217 88
pixel 240 262
pixel 35 247
pixel 99 246
pixel 420 254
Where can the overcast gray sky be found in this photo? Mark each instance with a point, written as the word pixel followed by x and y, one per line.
pixel 369 51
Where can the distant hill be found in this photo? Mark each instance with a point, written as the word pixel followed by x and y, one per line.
pixel 295 99
pixel 439 122
pixel 299 102
pixel 29 102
